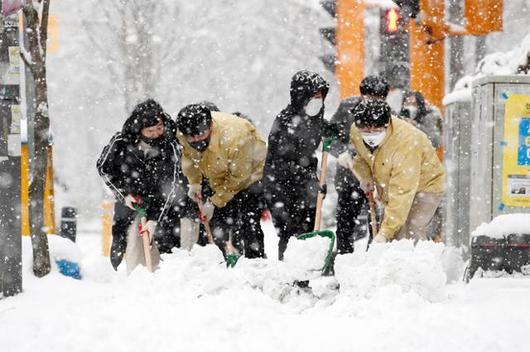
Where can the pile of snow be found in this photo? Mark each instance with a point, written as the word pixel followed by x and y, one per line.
pixel 194 303
pixel 306 258
pixel 496 64
pixel 393 270
pixel 504 225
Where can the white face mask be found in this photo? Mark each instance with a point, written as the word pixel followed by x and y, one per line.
pixel 413 111
pixel 313 107
pixel 373 139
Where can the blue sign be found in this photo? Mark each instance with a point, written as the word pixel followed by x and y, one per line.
pixel 523 150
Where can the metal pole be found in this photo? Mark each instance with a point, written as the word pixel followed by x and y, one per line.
pixel 10 151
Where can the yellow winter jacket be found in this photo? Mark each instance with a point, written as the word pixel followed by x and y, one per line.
pixel 233 160
pixel 404 164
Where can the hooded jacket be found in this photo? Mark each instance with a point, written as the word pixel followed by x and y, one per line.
pixel 291 164
pixel 154 175
pixel 404 164
pixel 233 160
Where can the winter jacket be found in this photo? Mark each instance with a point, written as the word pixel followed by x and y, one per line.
pixel 404 164
pixel 233 160
pixel 127 169
pixel 431 125
pixel 343 120
pixel 291 164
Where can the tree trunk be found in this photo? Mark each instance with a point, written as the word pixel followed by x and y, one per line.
pixel 37 64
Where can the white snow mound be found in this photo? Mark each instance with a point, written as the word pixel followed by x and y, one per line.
pixel 504 225
pixel 392 269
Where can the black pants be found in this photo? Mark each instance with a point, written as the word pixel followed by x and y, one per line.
pixel 291 216
pixel 123 218
pixel 240 218
pixel 351 200
pixel 167 234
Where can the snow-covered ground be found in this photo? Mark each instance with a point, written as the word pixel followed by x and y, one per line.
pixel 392 298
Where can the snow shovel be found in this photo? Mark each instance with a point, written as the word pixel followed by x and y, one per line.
pixel 373 218
pixel 232 255
pixel 145 238
pixel 373 215
pixel 320 200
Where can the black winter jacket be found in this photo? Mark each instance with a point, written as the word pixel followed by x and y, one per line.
pixel 342 121
pixel 155 175
pixel 290 171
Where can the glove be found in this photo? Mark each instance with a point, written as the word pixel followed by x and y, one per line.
pixel 130 200
pixel 194 191
pixel 345 160
pixel 207 210
pixel 265 215
pixel 380 238
pixel 367 186
pixel 330 130
pixel 323 189
pixel 149 229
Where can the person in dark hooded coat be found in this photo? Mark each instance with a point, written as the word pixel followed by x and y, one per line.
pixel 140 165
pixel 290 173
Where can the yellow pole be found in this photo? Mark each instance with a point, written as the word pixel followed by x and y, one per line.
pixel 106 218
pixel 427 59
pixel 350 46
pixel 49 195
pixel 24 189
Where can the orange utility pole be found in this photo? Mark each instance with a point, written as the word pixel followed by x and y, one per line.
pixel 350 46
pixel 427 58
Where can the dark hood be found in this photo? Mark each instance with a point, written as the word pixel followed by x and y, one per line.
pixel 132 127
pixel 304 85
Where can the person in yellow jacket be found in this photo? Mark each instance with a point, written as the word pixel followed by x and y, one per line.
pixel 230 154
pixel 399 161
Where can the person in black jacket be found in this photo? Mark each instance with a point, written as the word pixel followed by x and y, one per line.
pixel 141 167
pixel 351 198
pixel 290 173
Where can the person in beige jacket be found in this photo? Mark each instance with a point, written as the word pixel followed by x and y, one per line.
pixel 230 153
pixel 398 160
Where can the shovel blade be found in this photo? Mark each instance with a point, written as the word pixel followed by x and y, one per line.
pixel 322 233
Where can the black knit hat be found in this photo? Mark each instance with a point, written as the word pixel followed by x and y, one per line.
pixel 374 85
pixel 193 119
pixel 371 113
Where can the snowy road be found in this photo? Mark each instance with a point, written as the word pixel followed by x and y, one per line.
pixel 195 304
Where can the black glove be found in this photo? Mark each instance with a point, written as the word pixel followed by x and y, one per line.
pixel 330 130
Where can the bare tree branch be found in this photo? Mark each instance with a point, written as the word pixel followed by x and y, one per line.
pixel 43 30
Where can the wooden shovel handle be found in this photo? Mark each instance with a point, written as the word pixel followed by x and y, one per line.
pixel 205 222
pixel 371 203
pixel 147 246
pixel 373 215
pixel 320 197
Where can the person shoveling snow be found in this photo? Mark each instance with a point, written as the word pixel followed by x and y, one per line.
pixel 399 161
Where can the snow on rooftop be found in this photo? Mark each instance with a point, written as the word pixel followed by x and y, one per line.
pixel 496 64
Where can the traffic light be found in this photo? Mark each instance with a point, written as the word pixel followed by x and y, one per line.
pixel 329 34
pixel 394 48
pixel 392 21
